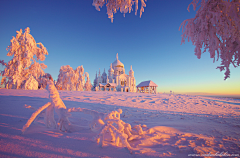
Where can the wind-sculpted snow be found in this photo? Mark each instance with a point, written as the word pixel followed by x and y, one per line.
pixel 105 124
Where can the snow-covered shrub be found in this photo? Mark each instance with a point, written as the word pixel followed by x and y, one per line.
pixel 117 131
pixel 26 52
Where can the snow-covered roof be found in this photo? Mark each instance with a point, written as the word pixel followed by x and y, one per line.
pixel 111 84
pixel 147 84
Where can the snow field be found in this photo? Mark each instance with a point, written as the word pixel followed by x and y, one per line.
pixel 172 125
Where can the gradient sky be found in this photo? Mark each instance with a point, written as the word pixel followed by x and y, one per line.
pixel 75 34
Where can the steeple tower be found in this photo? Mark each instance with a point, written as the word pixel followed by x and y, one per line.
pixel 99 77
pixel 110 71
pixel 99 74
pixel 95 80
pixel 104 77
pixel 131 72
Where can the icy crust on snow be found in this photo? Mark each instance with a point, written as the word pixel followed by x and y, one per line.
pixel 158 125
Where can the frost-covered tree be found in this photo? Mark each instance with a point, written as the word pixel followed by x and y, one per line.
pixel 66 78
pixel 215 28
pixel 88 85
pixel 31 84
pixel 80 78
pixel 124 6
pixel 72 80
pixel 26 52
pixel 79 86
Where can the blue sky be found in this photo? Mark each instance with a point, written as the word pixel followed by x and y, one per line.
pixel 75 34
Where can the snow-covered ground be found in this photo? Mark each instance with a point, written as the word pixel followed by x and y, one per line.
pixel 177 125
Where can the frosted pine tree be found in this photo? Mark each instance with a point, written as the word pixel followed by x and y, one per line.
pixel 88 85
pixel 215 28
pixel 63 77
pixel 26 52
pixel 80 76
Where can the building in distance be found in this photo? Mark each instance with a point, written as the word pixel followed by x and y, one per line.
pixel 147 87
pixel 117 79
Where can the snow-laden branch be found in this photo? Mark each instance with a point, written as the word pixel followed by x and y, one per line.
pixel 124 6
pixel 55 104
pixel 59 107
pixel 34 115
pixel 215 28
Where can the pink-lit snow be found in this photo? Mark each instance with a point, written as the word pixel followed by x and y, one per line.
pixel 173 125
